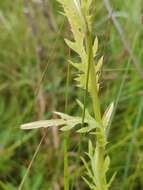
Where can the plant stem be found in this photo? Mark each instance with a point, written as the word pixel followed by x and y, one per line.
pixel 66 138
pixel 66 179
pixel 100 148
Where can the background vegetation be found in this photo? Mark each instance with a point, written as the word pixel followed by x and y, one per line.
pixel 33 70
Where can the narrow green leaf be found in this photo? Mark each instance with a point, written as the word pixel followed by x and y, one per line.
pixel 63 115
pixel 43 124
pixel 78 66
pixel 86 129
pixel 70 124
pixel 73 46
pixel 106 164
pixel 95 47
pixel 99 64
pixel 90 148
pixel 91 186
pixel 107 115
pixel 112 179
pixel 89 172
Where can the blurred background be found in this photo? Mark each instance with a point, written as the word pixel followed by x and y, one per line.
pixel 33 72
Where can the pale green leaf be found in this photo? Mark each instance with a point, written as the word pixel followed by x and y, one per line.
pixel 90 148
pixel 99 64
pixel 43 124
pixel 85 129
pixel 66 128
pixel 63 115
pixel 107 115
pixel 106 164
pixel 73 46
pixel 73 13
pixel 95 47
pixel 70 124
pixel 79 66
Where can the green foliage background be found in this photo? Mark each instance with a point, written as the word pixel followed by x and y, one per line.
pixel 33 69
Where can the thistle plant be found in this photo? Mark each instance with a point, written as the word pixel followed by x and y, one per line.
pixel 85 44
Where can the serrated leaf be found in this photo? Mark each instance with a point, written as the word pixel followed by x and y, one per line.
pixel 73 13
pixel 71 121
pixel 107 115
pixel 66 120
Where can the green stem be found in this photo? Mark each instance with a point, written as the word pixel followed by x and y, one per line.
pixel 100 148
pixel 92 75
pixel 66 178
